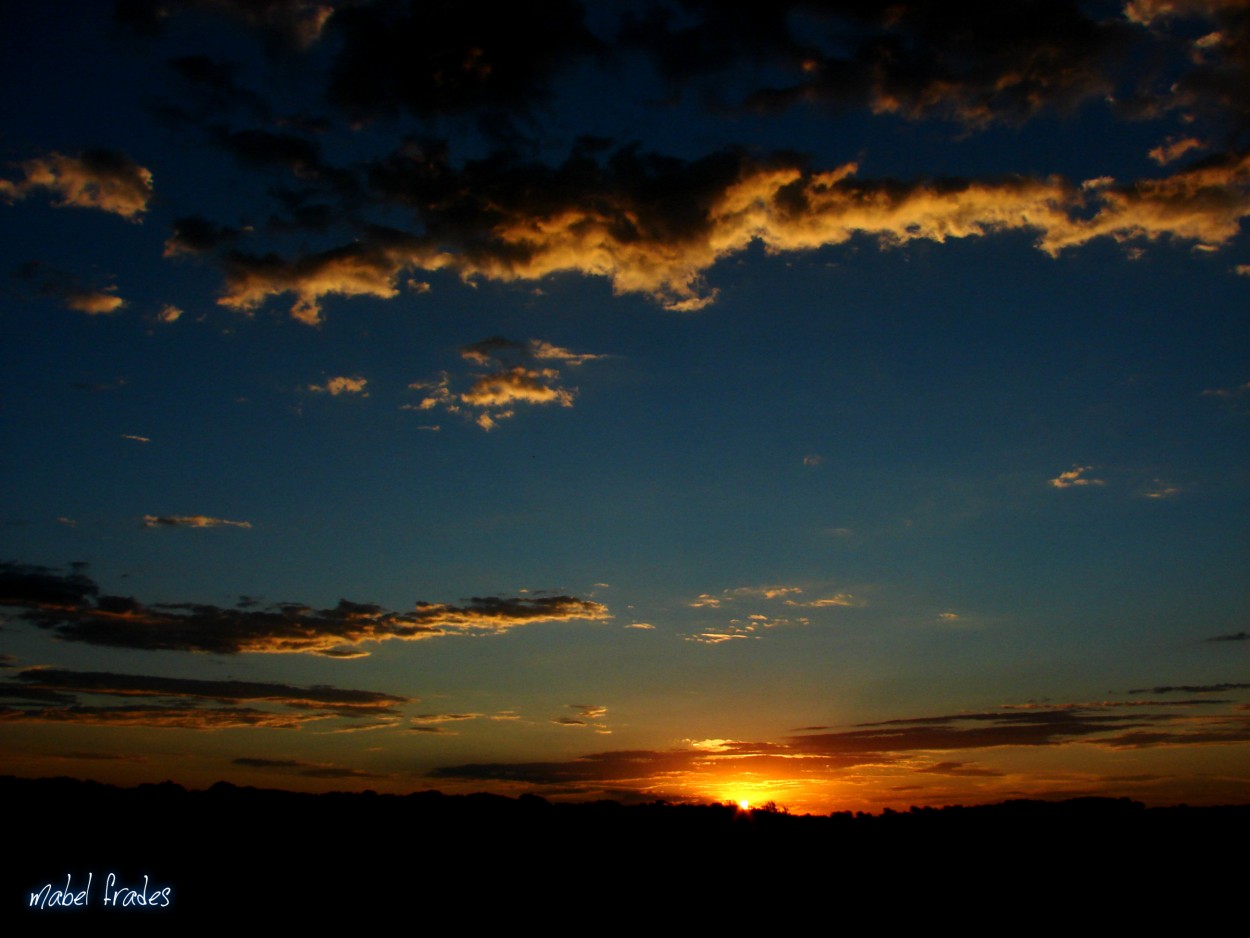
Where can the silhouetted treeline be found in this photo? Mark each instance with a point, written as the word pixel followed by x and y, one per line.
pixel 236 854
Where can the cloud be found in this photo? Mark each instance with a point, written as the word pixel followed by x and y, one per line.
pixel 1075 477
pixel 965 61
pixel 367 267
pixel 196 235
pixel 70 291
pixel 514 376
pixel 1160 489
pixel 284 25
pixel 907 743
pixel 186 718
pixel 1228 392
pixel 428 718
pixel 100 179
pixel 960 769
pixel 93 302
pixel 1234 637
pixel 813 459
pixel 190 521
pixel 1193 688
pixel 656 225
pixel 838 599
pixel 71 607
pixel 446 59
pixel 715 638
pixel 305 769
pixel 142 685
pixel 1174 149
pixel 137 439
pixel 185 703
pixel 341 385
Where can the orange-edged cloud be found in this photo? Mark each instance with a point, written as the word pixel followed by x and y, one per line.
pixel 100 179
pixel 67 605
pixel 365 268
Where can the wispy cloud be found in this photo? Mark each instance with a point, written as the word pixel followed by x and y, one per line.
pixel 191 521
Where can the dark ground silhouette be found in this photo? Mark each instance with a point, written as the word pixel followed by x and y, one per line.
pixel 266 858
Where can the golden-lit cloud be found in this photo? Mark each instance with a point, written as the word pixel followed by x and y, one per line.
pixel 363 268
pixel 93 302
pixel 100 179
pixel 191 521
pixel 341 385
pixel 1075 477
pixel 514 377
pixel 785 208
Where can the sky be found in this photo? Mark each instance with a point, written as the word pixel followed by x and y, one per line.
pixel 841 404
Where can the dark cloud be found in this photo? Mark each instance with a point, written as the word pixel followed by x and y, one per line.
pixel 142 685
pixel 975 61
pixel 33 586
pixel 889 742
pixel 56 695
pixel 283 25
pixel 216 85
pixel 196 235
pixel 442 58
pixel 172 717
pixel 305 769
pixel 262 149
pixel 960 769
pixel 284 628
pixel 1190 689
pixel 1234 637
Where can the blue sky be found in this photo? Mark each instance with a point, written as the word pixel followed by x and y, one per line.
pixel 820 402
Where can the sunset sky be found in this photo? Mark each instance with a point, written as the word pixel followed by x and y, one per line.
pixel 838 403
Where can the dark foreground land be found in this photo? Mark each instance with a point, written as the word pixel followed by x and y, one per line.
pixel 274 859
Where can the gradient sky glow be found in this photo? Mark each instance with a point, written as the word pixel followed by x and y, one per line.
pixel 837 403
